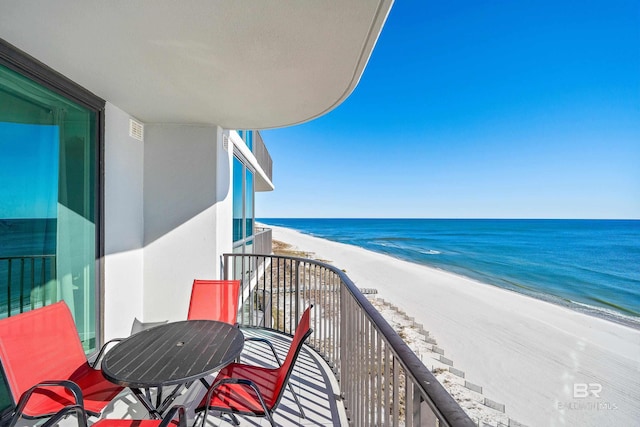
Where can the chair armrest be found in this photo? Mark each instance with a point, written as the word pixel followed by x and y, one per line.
pixel 102 352
pixel 81 416
pixel 269 343
pixel 69 385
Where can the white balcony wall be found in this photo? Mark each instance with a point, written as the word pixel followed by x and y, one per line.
pixel 123 224
pixel 187 214
pixel 168 218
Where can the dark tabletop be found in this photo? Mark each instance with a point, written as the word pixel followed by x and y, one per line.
pixel 174 353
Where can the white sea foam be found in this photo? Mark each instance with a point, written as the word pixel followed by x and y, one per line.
pixel 430 252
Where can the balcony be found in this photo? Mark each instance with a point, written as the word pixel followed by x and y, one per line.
pixel 262 154
pixel 381 381
pixel 354 369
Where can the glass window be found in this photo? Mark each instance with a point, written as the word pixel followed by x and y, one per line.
pixel 243 202
pixel 249 139
pixel 47 202
pixel 248 203
pixel 238 191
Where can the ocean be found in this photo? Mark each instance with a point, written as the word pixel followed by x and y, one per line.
pixel 32 245
pixel 592 266
pixel 32 236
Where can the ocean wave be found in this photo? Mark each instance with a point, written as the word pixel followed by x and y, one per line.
pixel 608 314
pixel 395 239
pixel 428 252
pixel 388 244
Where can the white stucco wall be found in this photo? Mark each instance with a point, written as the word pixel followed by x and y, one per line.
pixel 123 224
pixel 168 218
pixel 186 225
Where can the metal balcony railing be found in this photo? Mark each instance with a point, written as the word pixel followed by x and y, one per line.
pixel 382 382
pixel 28 282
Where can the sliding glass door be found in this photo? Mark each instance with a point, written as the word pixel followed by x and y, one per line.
pixel 48 172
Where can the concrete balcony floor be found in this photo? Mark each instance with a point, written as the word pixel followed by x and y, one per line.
pixel 312 380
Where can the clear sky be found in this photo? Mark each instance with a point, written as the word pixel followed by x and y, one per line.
pixel 477 109
pixel 28 170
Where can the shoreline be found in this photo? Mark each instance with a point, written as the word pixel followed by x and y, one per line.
pixel 526 352
pixel 603 313
pixel 589 310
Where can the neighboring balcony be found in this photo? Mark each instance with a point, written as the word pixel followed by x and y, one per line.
pixel 262 240
pixel 262 155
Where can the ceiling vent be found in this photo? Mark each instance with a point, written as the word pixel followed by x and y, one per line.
pixel 136 130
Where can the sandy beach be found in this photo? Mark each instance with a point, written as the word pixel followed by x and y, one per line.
pixel 549 365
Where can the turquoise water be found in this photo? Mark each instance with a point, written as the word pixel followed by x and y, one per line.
pixel 20 277
pixel 589 265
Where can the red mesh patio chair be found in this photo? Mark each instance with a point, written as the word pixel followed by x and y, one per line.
pixel 45 365
pixel 254 390
pixel 214 300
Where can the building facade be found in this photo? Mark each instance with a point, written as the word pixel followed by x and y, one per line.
pixel 121 177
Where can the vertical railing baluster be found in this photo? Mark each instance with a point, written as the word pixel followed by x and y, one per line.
pixel 396 393
pixel 36 291
pixel 327 312
pixel 408 402
pixel 312 299
pixel 372 373
pixel 251 262
pixel 417 405
pixel 275 271
pixel 54 274
pixel 356 366
pixel 339 296
pixel 343 356
pixel 271 287
pixel 360 372
pixel 353 363
pixel 380 378
pixel 22 282
pixel 9 288
pixel 387 385
pixel 365 370
pixel 42 284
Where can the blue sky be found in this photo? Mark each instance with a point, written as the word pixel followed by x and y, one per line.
pixel 477 109
pixel 28 170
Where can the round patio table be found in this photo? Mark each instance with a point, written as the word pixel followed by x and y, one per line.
pixel 171 354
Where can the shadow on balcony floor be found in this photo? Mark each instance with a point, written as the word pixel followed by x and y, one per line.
pixel 311 379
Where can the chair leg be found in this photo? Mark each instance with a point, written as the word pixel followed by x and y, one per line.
pixel 234 419
pixel 270 418
pixel 295 397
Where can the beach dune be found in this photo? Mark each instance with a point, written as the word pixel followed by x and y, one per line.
pixel 549 365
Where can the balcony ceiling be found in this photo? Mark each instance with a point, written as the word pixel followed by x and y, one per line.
pixel 240 64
